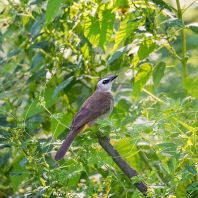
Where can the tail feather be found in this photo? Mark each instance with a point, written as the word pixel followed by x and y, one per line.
pixel 66 144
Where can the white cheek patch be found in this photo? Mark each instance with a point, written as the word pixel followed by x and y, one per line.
pixel 104 87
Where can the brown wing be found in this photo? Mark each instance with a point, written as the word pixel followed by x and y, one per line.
pixel 96 105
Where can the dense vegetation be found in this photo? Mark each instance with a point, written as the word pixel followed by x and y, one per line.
pixel 52 54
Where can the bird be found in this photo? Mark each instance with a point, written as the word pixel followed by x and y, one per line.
pixel 98 106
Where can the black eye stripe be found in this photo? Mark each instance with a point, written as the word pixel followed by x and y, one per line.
pixel 105 81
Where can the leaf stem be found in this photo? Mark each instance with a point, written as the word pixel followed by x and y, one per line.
pixel 183 36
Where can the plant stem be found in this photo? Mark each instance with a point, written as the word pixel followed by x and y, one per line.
pixel 183 35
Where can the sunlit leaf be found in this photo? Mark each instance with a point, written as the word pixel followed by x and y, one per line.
pixel 181 190
pixel 141 78
pixel 146 47
pixel 99 29
pixel 125 30
pixel 129 151
pixel 118 4
pixel 52 9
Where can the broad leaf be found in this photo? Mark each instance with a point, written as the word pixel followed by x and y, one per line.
pixel 99 29
pixel 126 29
pixel 130 152
pixel 174 22
pixel 52 9
pixel 161 4
pixel 63 85
pixel 119 53
pixel 23 162
pixel 141 78
pixel 57 126
pixel 191 85
pixel 158 72
pixel 191 169
pixel 42 44
pixel 13 53
pixel 34 108
pixel 193 27
pixel 146 47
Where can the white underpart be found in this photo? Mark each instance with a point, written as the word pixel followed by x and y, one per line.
pixel 104 87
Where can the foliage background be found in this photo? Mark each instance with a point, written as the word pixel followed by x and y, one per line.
pixel 53 52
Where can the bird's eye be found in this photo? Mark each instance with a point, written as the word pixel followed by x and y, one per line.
pixel 105 81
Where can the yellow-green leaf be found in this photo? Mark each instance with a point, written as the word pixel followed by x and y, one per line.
pixel 141 78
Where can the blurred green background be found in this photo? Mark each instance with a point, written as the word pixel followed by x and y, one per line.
pixel 52 53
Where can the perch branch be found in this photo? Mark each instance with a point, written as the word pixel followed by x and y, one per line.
pixel 123 165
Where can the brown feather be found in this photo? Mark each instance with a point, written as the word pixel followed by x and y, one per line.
pixel 99 105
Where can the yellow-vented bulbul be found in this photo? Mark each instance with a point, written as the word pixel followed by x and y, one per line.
pixel 99 105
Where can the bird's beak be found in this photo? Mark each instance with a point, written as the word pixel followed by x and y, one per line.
pixel 113 77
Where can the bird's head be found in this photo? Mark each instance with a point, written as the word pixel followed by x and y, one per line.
pixel 105 84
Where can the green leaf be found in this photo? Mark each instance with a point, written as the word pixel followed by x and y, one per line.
pixel 23 162
pixel 164 168
pixel 193 27
pixel 174 22
pixel 119 53
pixel 192 188
pixel 146 47
pixel 52 9
pixel 99 29
pixel 4 159
pixel 121 108
pixel 181 191
pixel 104 122
pixel 13 53
pixel 63 85
pixel 161 4
pixel 39 74
pixel 191 169
pixel 125 30
pixel 42 44
pixel 130 152
pixel 57 127
pixel 191 85
pixel 141 78
pixel 118 4
pixel 34 109
pixel 167 144
pixel 135 19
pixel 15 173
pixel 158 72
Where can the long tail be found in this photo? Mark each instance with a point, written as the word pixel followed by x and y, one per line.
pixel 66 144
